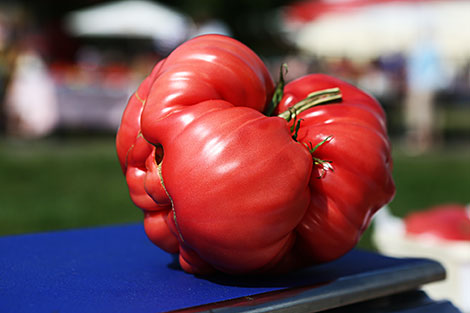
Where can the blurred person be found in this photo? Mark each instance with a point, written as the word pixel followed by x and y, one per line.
pixel 424 77
pixel 30 101
pixel 374 80
pixel 7 55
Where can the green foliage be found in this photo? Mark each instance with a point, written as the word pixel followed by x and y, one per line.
pixel 58 184
pixel 438 177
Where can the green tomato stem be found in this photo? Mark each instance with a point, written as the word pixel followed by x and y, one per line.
pixel 278 92
pixel 325 165
pixel 313 99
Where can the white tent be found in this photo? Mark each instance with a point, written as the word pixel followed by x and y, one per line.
pixel 371 30
pixel 131 18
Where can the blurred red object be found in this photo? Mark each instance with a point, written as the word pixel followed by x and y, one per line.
pixel 447 221
pixel 308 10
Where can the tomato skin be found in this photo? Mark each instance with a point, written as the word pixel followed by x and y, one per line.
pixel 360 182
pixel 228 188
pixel 228 209
pixel 206 68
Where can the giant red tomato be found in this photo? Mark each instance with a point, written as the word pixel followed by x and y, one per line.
pixel 231 189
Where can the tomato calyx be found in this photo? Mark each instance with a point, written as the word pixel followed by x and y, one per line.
pixel 325 165
pixel 315 98
pixel 278 91
pixel 294 129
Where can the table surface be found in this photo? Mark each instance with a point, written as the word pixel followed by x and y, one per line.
pixel 117 269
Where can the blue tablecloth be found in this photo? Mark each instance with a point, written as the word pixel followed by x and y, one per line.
pixel 117 269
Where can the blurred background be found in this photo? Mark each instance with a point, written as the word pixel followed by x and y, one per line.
pixel 67 69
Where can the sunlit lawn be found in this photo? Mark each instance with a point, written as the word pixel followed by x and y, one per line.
pixel 61 183
pixel 72 182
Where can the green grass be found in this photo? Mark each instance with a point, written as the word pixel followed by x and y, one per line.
pixel 440 176
pixel 59 184
pixel 77 182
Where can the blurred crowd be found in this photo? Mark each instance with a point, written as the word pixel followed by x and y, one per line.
pixel 53 79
